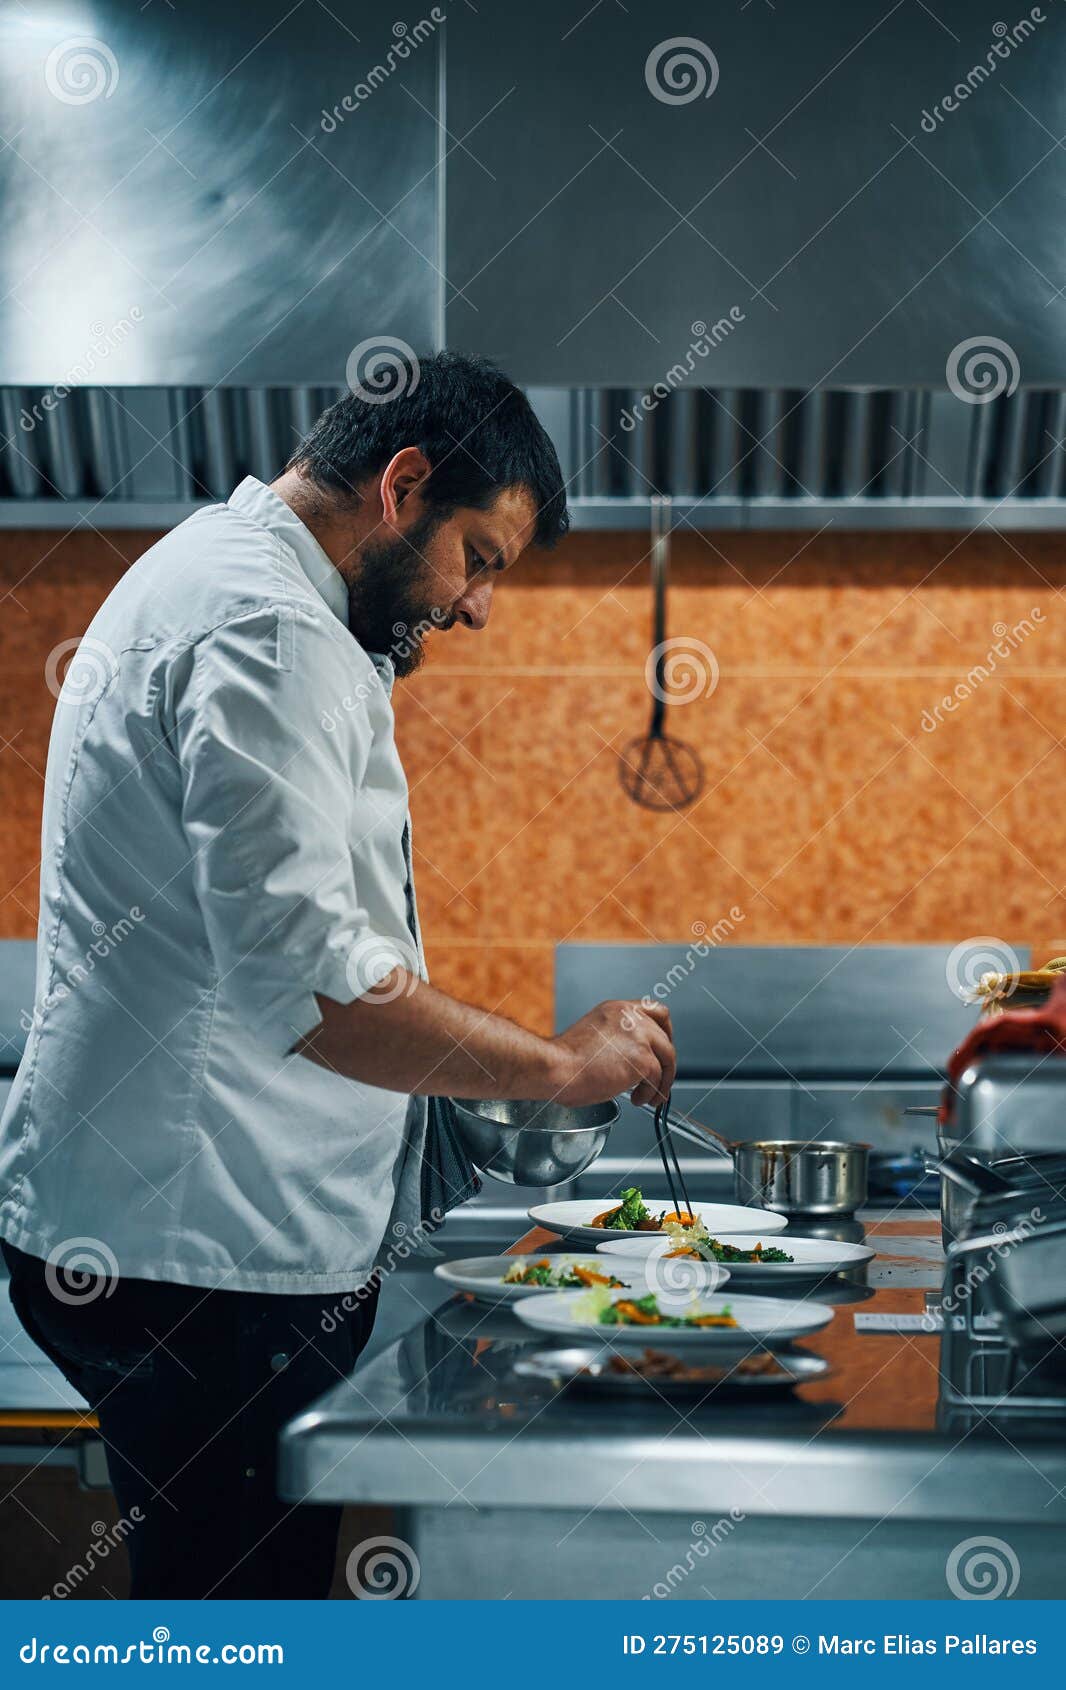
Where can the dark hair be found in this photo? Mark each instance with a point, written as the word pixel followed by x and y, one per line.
pixel 478 431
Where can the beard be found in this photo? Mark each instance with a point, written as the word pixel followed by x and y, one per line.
pixel 391 604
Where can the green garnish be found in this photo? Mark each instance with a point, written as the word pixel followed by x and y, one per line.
pixel 631 1215
pixel 564 1278
pixel 760 1253
pixel 645 1311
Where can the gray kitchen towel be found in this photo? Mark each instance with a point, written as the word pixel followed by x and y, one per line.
pixel 448 1175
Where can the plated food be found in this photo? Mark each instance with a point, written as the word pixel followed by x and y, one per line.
pixel 645 1311
pixel 657 1364
pixel 627 1215
pixel 685 1320
pixel 658 1373
pixel 750 1260
pixel 509 1279
pixel 631 1214
pixel 710 1249
pixel 562 1276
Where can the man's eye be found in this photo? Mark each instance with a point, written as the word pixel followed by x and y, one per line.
pixel 477 562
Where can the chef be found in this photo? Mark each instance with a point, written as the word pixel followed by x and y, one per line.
pixel 220 1127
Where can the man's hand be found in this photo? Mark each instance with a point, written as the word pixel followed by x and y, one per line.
pixel 406 1036
pixel 618 1046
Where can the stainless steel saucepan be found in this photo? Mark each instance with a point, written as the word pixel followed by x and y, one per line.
pixel 822 1176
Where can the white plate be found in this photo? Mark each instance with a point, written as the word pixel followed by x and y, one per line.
pixel 483 1276
pixel 767 1319
pixel 571 1219
pixel 814 1257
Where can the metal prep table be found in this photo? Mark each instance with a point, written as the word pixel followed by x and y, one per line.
pixel 506 1488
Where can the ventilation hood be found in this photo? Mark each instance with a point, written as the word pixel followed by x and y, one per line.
pixel 734 458
pixel 784 264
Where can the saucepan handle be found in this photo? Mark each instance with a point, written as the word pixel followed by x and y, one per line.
pixel 694 1131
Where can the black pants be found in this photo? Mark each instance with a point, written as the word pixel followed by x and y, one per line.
pixel 191 1388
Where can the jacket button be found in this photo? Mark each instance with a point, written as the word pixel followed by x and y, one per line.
pixel 279 1361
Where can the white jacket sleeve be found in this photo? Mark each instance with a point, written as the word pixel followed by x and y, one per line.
pixel 273 739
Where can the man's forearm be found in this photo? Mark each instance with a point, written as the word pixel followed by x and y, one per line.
pixel 411 1037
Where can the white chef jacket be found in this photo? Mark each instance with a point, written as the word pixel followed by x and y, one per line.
pixel 223 837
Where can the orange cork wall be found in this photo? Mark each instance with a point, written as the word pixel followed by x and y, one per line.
pixel 843 803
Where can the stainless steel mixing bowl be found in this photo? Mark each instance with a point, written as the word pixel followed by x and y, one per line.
pixel 531 1143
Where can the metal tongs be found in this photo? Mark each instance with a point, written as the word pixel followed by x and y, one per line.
pixel 669 1159
pixel 683 1126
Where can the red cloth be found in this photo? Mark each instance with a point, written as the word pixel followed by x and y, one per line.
pixel 1041 1030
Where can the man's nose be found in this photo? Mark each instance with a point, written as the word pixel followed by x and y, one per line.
pixel 473 608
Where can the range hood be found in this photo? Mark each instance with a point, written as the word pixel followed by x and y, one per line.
pixel 736 458
pixel 763 260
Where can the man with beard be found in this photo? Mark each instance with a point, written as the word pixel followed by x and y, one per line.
pixel 220 1124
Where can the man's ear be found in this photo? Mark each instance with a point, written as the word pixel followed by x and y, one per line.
pixel 401 478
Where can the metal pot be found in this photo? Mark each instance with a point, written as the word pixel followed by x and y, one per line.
pixel 532 1143
pixel 819 1177
pixel 791 1176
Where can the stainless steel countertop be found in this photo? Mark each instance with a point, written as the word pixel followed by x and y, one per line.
pixel 440 1419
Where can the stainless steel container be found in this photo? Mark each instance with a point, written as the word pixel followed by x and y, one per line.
pixel 971 1186
pixel 1029 1286
pixel 820 1177
pixel 955 1200
pixel 532 1143
pixel 1017 1273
